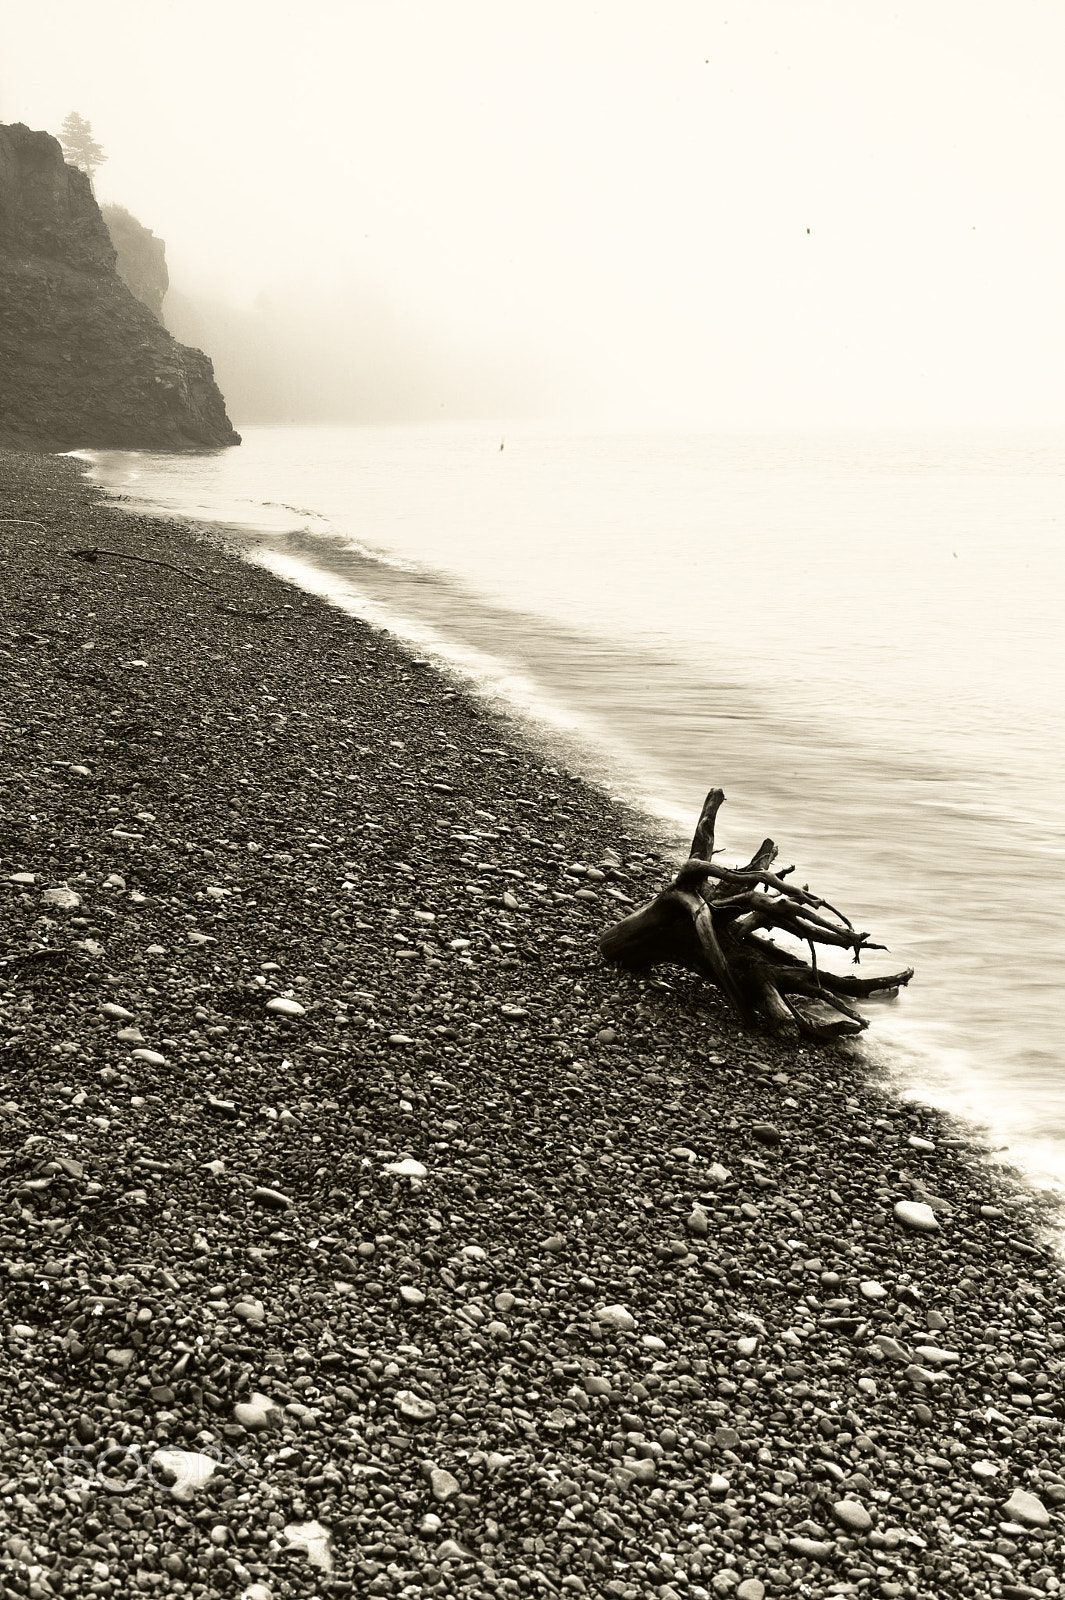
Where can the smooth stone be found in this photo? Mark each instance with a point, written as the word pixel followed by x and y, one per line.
pixel 285 1008
pixel 270 1197
pixel 451 1550
pixel 891 1348
pixel 555 1245
pixel 617 1317
pixel 151 1058
pixel 766 1133
pixel 1027 1508
pixel 130 1036
pixel 718 1174
pixel 719 1484
pixel 256 1413
pixel 410 1295
pixel 931 1355
pixel 413 1407
pixel 444 1486
pixel 407 1168
pixel 313 1538
pixel 430 1523
pixel 813 1549
pixel 871 1290
pixel 651 1341
pixel 984 1470
pixel 746 1346
pixel 23 877
pixel 118 1013
pixel 852 1515
pixel 915 1142
pixel 751 1589
pixel 249 1311
pixel 122 1359
pixel 698 1224
pixel 915 1214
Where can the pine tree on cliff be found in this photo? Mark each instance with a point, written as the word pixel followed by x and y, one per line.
pixel 80 149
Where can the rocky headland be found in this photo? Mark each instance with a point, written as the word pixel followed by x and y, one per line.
pixel 364 1234
pixel 83 362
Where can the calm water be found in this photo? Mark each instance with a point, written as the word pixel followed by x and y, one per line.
pixel 857 637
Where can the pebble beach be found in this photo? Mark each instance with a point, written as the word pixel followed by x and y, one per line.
pixel 363 1233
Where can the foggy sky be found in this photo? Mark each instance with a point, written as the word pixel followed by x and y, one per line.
pixel 777 211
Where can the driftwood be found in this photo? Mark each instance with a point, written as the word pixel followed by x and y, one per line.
pixel 717 921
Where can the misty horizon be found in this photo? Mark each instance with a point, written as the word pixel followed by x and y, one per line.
pixel 770 216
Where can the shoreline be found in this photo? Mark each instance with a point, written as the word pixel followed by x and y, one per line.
pixel 246 749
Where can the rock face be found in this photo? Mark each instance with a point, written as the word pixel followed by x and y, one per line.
pixel 82 362
pixel 141 258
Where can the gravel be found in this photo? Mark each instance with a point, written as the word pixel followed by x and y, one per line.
pixel 479 1267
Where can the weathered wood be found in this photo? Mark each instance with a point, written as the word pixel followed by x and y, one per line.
pixel 718 922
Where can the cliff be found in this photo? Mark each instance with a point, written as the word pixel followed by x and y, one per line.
pixel 140 258
pixel 82 362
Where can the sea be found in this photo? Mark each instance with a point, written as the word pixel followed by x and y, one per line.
pixel 857 636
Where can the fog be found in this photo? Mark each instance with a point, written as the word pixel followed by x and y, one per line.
pixel 763 213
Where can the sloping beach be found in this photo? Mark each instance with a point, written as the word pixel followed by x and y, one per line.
pixel 642 1320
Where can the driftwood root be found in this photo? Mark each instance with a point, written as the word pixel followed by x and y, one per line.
pixel 719 921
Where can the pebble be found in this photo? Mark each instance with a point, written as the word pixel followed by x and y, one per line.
pixel 984 1470
pixel 617 1317
pixel 915 1214
pixel 285 1008
pixel 751 1589
pixel 871 1290
pixel 413 1407
pixel 451 1550
pixel 270 1197
pixel 698 1224
pixel 932 1356
pixel 190 1469
pixel 410 1295
pixel 444 1485
pixel 407 1168
pixel 767 1133
pixel 814 1549
pixel 915 1142
pixel 852 1515
pixel 1027 1508
pixel 130 1036
pixel 256 1413
pixel 249 1311
pixel 151 1058
pixel 116 1012
pixel 313 1538
pixel 64 899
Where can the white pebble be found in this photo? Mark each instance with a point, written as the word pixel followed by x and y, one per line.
pixel 119 1013
pixel 285 1008
pixel 915 1214
pixel 917 1143
pixel 617 1317
pixel 151 1057
pixel 407 1169
pixel 313 1538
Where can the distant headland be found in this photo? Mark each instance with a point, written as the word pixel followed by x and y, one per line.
pixel 84 359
